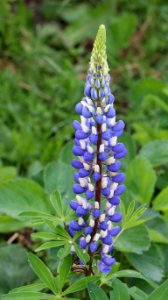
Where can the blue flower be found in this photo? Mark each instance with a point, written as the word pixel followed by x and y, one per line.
pixel 98 182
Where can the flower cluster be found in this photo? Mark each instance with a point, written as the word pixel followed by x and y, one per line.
pixel 98 182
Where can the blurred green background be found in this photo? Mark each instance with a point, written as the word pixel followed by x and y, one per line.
pixel 45 48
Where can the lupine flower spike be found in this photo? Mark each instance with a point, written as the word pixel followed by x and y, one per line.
pixel 98 182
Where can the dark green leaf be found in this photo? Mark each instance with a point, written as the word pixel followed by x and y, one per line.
pixel 128 241
pixel 137 294
pixel 150 263
pixel 95 292
pixel 120 291
pixel 161 293
pixel 14 269
pixel 132 274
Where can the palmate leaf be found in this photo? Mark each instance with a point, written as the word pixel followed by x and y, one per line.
pixel 133 216
pixel 42 271
pixel 95 292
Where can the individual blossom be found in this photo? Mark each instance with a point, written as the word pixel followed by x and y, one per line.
pixel 98 180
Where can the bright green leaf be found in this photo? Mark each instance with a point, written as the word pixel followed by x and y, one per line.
pixel 22 195
pixel 63 271
pixel 161 202
pixel 52 244
pixel 141 179
pixel 6 174
pixel 83 256
pixel 56 202
pixel 156 152
pixel 80 284
pixel 42 271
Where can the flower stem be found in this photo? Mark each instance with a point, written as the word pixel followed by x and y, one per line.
pixel 97 198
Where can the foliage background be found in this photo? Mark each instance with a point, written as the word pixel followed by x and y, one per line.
pixel 44 53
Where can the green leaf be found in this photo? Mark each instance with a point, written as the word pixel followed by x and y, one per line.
pixel 156 152
pixel 6 174
pixel 132 274
pixel 63 272
pixel 80 284
pixel 137 294
pixel 141 186
pixel 158 230
pixel 20 195
pixel 54 179
pixel 160 202
pixel 150 263
pixel 133 216
pixel 83 256
pixel 14 269
pixel 52 244
pixel 95 292
pixel 120 291
pixel 128 242
pixel 62 232
pixel 45 235
pixel 9 224
pixel 66 154
pixel 129 143
pixel 42 271
pixel 27 296
pixel 161 293
pixel 34 287
pixel 121 30
pixel 145 87
pixel 64 252
pixel 56 202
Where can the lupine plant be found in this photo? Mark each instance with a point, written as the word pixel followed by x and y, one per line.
pixel 98 182
pixel 83 236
